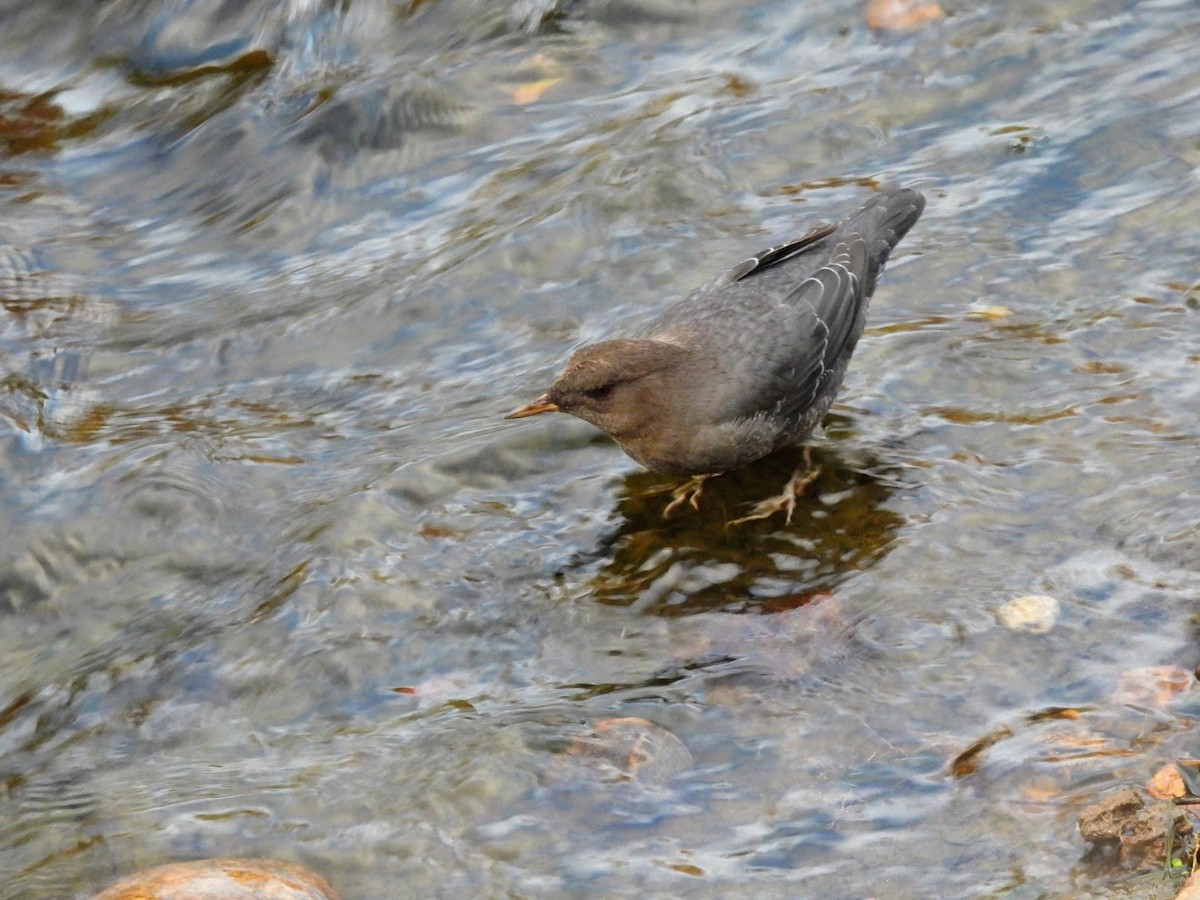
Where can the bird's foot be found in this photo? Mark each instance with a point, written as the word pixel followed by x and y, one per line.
pixel 688 492
pixel 786 501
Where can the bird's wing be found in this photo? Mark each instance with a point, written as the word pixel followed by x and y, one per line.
pixel 803 338
pixel 772 256
pixel 759 276
pixel 774 333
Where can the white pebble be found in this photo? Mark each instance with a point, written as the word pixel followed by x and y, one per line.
pixel 1035 613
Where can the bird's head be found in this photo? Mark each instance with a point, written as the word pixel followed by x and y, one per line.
pixel 620 386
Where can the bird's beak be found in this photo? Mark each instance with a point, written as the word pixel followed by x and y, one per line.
pixel 535 408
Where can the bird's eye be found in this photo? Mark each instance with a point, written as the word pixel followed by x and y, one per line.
pixel 599 393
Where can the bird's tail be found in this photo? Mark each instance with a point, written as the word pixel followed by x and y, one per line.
pixel 882 222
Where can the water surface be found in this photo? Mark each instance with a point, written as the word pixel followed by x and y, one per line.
pixel 278 580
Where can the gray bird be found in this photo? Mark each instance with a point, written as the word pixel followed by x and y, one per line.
pixel 743 366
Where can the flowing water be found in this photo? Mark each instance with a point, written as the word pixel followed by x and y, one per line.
pixel 277 579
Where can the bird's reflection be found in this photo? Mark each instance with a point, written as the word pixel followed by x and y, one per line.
pixel 697 561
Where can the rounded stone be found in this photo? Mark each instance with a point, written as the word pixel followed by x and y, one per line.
pixel 222 879
pixel 1035 613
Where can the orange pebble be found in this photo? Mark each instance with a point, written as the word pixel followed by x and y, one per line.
pixel 901 15
pixel 1167 783
pixel 222 879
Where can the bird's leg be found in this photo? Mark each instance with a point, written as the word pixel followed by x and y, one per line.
pixel 688 492
pixel 786 501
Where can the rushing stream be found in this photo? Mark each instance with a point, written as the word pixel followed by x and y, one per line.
pixel 278 580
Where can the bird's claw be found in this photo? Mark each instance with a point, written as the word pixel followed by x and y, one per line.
pixel 688 492
pixel 784 502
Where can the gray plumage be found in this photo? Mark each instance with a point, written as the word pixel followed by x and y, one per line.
pixel 747 364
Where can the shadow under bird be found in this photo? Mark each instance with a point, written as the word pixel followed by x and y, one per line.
pixel 747 364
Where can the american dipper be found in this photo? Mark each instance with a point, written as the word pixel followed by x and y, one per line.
pixel 743 366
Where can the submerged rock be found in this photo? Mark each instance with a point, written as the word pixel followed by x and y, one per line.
pixel 630 748
pixel 1121 825
pixel 222 879
pixel 1035 613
